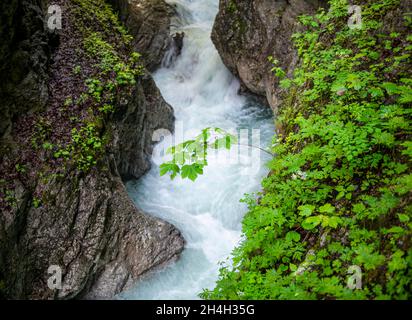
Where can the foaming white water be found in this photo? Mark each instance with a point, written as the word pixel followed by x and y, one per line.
pixel 208 212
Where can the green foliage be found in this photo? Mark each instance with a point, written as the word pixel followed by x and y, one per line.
pixel 232 8
pixel 47 146
pixel 117 72
pixel 340 185
pixel 190 157
pixel 109 61
pixel 77 70
pixel 20 168
pixel 84 148
pixel 95 88
pixel 68 102
pixel 42 133
pixel 103 89
pixel 36 202
pixel 9 197
pixel 278 71
pixel 107 109
pixel 86 145
pixel 99 14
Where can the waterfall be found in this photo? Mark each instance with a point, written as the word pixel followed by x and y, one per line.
pixel 203 94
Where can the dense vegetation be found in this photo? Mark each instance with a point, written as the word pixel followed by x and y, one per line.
pixel 338 194
pixel 95 69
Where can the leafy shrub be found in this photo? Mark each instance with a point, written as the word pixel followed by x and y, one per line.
pixel 84 148
pixel 340 185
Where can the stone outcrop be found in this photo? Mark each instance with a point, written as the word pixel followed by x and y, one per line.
pixel 149 22
pixel 247 32
pixel 92 231
pixel 25 49
pixel 88 226
pixel 146 112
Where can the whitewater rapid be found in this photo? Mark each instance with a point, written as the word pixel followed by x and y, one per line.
pixel 208 213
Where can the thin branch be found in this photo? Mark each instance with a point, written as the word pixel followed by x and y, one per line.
pixel 256 147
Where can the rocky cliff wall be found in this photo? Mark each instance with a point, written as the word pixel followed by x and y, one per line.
pixel 51 212
pixel 247 32
pixel 150 23
pixel 25 50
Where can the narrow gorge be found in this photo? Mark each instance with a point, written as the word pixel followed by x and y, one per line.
pixel 212 149
pixel 203 94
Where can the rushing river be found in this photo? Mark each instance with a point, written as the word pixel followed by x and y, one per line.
pixel 203 93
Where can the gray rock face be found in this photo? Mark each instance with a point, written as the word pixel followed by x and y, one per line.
pixel 90 229
pixel 149 23
pixel 146 112
pixel 88 226
pixel 24 57
pixel 247 32
pixel 94 233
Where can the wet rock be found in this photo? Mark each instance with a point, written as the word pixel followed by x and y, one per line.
pixel 175 50
pixel 88 226
pixel 145 113
pixel 25 49
pixel 93 232
pixel 178 41
pixel 149 23
pixel 247 32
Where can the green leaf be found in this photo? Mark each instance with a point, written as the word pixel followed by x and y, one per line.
pixel 334 222
pixel 338 87
pixel 376 92
pixel 171 168
pixel 397 262
pixel 327 208
pixel 311 222
pixel 384 138
pixel 369 259
pixel 403 217
pixel 293 236
pixel 391 88
pixel 359 208
pixel 306 210
pixel 191 171
pixel 396 229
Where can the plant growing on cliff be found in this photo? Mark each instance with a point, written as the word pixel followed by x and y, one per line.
pixel 117 74
pixel 84 148
pixel 340 185
pixel 278 71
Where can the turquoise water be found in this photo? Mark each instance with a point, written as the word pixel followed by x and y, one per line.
pixel 203 93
